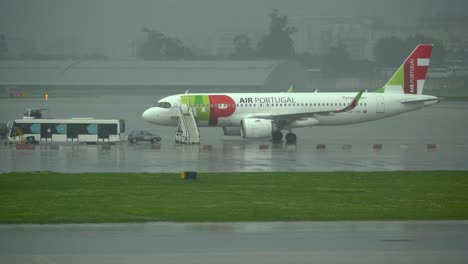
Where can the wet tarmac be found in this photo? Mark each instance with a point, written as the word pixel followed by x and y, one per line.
pixel 258 242
pixel 434 138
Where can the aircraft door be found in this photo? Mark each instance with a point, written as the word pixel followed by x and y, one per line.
pixel 200 105
pixel 264 107
pixel 380 104
pixel 46 131
pixel 261 107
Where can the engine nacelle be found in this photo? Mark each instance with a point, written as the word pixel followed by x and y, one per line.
pixel 232 131
pixel 256 128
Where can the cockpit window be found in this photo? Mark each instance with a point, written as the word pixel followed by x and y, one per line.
pixel 163 104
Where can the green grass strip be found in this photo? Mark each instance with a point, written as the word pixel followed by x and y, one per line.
pixel 136 197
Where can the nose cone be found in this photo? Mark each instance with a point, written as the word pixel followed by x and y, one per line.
pixel 149 115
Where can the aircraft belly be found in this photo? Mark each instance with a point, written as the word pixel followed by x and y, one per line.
pixel 224 122
pixel 344 119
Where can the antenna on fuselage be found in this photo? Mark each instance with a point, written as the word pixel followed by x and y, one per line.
pixel 186 92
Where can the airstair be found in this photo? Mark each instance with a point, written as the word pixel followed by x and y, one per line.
pixel 187 130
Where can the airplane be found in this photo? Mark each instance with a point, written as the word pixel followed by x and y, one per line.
pixel 265 115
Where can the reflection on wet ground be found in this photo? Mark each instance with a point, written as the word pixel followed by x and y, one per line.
pixel 257 242
pixel 234 156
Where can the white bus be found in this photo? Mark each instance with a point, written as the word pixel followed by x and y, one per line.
pixel 88 130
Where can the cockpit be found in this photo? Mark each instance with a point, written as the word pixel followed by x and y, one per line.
pixel 162 104
pixel 159 113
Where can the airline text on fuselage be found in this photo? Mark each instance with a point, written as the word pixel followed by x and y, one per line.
pixel 352 98
pixel 267 100
pixel 411 75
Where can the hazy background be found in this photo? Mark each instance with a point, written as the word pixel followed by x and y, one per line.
pixel 111 26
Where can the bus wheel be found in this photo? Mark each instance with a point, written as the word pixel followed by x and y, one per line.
pixel 30 140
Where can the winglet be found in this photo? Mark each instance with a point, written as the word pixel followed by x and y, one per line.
pixel 354 103
pixel 291 89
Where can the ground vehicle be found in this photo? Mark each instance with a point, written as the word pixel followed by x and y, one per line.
pixel 139 135
pixel 88 130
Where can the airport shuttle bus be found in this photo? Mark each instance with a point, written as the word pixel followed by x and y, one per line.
pixel 87 130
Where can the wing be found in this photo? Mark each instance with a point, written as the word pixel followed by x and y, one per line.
pixel 296 116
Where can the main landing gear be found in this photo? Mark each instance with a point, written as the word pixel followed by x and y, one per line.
pixel 291 138
pixel 277 136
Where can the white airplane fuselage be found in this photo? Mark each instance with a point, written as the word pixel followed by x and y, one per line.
pixel 230 113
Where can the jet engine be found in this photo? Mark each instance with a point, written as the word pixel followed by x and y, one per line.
pixel 256 128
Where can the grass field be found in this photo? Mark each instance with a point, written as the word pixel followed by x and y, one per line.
pixel 134 197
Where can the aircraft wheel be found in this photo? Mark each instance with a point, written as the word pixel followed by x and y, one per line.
pixel 291 138
pixel 277 136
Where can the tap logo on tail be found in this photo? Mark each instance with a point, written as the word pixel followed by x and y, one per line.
pixel 411 75
pixel 416 69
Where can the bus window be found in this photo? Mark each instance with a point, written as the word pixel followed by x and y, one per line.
pixel 26 128
pixel 35 128
pixel 47 129
pixel 104 130
pixel 73 130
pixel 91 129
pixel 60 129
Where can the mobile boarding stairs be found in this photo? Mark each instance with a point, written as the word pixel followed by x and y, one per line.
pixel 187 130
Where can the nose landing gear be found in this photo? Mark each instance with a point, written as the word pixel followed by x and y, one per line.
pixel 277 136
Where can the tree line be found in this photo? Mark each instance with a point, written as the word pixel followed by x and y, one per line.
pixel 277 43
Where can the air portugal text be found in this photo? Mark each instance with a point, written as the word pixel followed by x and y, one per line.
pixel 267 100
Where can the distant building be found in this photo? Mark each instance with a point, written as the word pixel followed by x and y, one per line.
pixel 316 35
pixel 359 34
pixel 452 31
pixel 223 44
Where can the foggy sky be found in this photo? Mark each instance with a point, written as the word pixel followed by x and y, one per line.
pixel 109 26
